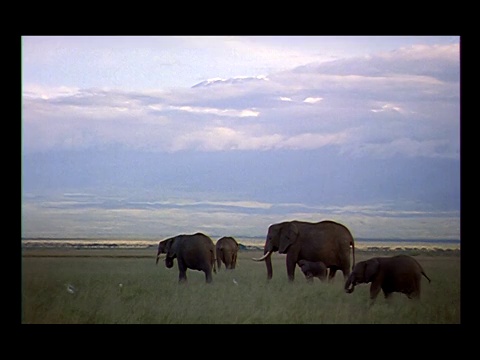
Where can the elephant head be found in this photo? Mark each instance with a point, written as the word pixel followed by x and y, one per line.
pixel 279 238
pixel 363 273
pixel 167 247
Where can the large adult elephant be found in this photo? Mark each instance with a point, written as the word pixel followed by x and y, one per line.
pixel 195 251
pixel 325 241
pixel 226 252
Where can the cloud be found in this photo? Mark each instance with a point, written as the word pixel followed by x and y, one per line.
pixel 45 93
pixel 222 138
pixel 218 112
pixel 404 102
pixel 314 141
pixel 409 147
pixel 197 203
pixel 440 62
pixel 387 107
pixel 335 139
pixel 312 100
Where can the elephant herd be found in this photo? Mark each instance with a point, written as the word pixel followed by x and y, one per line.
pixel 317 248
pixel 197 252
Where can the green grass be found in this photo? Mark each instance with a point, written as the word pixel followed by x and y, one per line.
pixel 151 294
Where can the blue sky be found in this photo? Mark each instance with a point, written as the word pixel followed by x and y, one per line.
pixel 147 137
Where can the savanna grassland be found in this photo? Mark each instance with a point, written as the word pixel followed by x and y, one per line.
pixel 116 286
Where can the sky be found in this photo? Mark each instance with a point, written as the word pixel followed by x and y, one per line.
pixel 149 137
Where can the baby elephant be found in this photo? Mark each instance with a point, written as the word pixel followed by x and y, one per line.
pixel 400 273
pixel 313 269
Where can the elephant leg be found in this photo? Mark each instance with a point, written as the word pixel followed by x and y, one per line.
pixel 416 289
pixel 414 295
pixel 374 290
pixel 182 272
pixel 331 274
pixel 291 264
pixel 208 276
pixel 182 276
pixel 387 294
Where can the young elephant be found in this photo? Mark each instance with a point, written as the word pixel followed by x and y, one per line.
pixel 313 269
pixel 400 273
pixel 226 250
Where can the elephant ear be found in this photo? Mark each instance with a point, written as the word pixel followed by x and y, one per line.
pixel 164 245
pixel 288 236
pixel 171 249
pixel 371 269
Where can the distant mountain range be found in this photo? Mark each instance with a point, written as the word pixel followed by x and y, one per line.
pixel 234 80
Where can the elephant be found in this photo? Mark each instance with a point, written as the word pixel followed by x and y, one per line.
pixel 399 273
pixel 226 252
pixel 325 241
pixel 195 251
pixel 313 269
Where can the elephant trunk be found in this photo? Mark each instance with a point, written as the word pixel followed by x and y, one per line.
pixel 268 262
pixel 159 254
pixel 349 285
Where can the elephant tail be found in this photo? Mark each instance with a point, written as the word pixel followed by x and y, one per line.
pixel 214 260
pixel 353 253
pixel 423 272
pixel 218 257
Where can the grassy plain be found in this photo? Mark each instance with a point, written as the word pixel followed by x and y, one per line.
pixel 118 286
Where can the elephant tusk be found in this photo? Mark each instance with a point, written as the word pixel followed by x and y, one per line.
pixel 263 257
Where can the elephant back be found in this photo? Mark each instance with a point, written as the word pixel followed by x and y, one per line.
pixel 329 242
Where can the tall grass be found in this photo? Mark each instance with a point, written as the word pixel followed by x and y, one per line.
pixel 116 290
